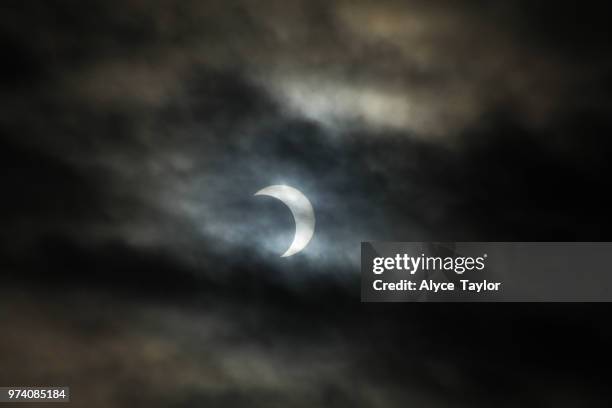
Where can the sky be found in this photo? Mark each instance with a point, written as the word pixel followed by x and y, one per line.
pixel 140 269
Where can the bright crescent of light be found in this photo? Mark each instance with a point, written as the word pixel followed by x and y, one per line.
pixel 302 211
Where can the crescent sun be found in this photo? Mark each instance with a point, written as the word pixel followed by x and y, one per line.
pixel 302 212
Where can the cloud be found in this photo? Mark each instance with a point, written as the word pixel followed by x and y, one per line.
pixel 133 138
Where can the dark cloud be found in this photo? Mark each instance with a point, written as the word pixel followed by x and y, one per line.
pixel 134 134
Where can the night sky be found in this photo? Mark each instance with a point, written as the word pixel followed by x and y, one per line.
pixel 138 269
